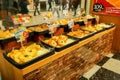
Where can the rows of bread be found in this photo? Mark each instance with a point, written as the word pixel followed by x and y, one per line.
pixel 10 33
pixel 65 21
pixel 92 28
pixel 39 28
pixel 79 33
pixel 25 53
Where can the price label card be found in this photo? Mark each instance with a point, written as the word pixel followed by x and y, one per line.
pixel 52 29
pixel 97 18
pixel 21 35
pixel 71 24
pixel 18 35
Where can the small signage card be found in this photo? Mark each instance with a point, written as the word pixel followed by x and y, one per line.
pixel 85 21
pixel 52 29
pixel 21 35
pixel 71 24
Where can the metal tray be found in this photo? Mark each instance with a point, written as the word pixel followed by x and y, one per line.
pixel 94 32
pixel 84 37
pixel 111 25
pixel 3 41
pixel 60 48
pixel 39 32
pixel 6 40
pixel 21 66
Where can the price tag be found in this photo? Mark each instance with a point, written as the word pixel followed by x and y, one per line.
pixel 97 18
pixel 21 35
pixel 25 34
pixel 52 29
pixel 18 35
pixel 71 24
pixel 85 20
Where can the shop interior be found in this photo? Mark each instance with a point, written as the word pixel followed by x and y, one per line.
pixel 61 42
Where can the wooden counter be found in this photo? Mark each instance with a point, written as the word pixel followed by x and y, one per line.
pixel 72 62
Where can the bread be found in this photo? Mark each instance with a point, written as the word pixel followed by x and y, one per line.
pixel 63 37
pixel 52 43
pixel 25 53
pixel 61 42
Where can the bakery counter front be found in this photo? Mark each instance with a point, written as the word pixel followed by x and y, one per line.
pixel 68 64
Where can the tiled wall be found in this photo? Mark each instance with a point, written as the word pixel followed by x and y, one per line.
pixel 75 63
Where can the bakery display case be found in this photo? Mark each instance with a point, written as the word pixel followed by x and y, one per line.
pixel 51 55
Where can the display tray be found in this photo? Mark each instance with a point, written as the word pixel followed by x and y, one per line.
pixel 80 37
pixel 94 31
pixel 41 32
pixel 5 40
pixel 70 41
pixel 66 28
pixel 79 22
pixel 107 25
pixel 44 53
pixel 98 31
pixel 93 19
pixel 37 29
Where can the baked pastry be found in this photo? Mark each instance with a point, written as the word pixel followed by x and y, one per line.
pixel 52 43
pixel 55 38
pixel 61 42
pixel 63 37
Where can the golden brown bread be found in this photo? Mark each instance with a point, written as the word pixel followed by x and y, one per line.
pixel 25 53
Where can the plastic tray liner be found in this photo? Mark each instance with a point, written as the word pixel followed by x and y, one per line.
pixel 71 41
pixel 42 54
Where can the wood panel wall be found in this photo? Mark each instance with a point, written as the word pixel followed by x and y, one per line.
pixel 111 19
